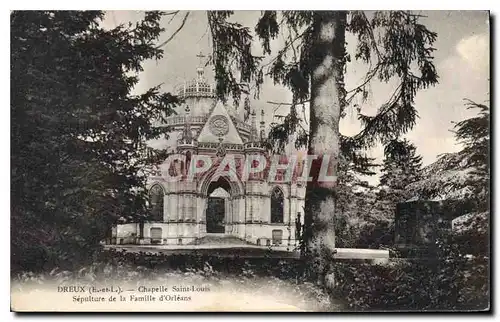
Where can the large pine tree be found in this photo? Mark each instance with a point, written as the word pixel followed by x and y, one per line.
pixel 394 44
pixel 77 132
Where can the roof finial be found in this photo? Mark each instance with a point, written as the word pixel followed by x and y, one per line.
pixel 253 131
pixel 200 69
pixel 186 133
pixel 262 125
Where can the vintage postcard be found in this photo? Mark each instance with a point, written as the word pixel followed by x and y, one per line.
pixel 243 161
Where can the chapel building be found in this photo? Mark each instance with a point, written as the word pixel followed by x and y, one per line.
pixel 211 206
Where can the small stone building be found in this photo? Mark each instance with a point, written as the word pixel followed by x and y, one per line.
pixel 419 224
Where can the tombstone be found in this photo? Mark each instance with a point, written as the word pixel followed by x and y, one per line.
pixel 418 225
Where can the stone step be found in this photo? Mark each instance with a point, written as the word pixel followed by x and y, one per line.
pixel 220 239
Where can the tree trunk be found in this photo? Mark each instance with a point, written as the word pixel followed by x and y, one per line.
pixel 327 97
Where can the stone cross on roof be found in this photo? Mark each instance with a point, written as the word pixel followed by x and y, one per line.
pixel 199 69
pixel 201 56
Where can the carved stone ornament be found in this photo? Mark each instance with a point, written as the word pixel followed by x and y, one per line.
pixel 219 125
pixel 221 151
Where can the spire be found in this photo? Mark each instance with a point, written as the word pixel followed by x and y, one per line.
pixel 187 136
pixel 262 125
pixel 253 131
pixel 200 69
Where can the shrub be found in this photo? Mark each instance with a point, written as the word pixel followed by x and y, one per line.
pixel 450 281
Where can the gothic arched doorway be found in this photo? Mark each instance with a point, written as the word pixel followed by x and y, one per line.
pixel 219 193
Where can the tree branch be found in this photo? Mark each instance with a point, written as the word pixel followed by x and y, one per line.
pixel 176 32
pixel 285 48
pixel 372 36
pixel 288 104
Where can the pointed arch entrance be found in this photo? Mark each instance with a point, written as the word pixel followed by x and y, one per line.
pixel 219 194
pixel 222 194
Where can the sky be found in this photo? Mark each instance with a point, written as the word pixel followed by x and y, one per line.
pixel 461 59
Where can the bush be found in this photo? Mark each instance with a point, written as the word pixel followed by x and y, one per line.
pixel 450 281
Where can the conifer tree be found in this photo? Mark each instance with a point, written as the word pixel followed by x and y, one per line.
pixel 77 133
pixel 401 167
pixel 464 178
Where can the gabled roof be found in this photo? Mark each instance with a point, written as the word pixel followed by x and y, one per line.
pixel 219 127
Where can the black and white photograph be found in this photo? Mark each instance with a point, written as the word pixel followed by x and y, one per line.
pixel 250 161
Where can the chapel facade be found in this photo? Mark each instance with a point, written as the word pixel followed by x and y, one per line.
pixel 259 211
